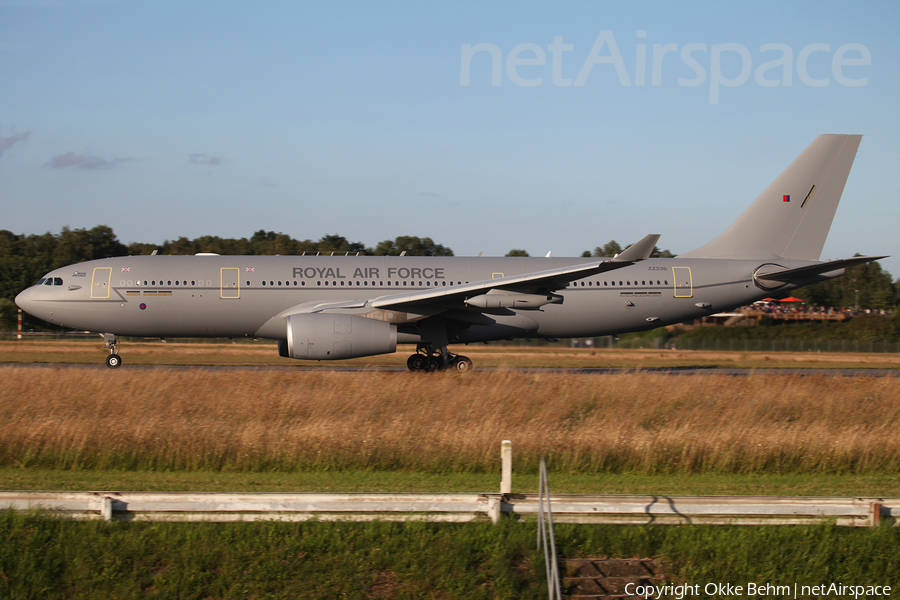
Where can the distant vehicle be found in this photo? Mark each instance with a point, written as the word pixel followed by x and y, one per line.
pixel 338 307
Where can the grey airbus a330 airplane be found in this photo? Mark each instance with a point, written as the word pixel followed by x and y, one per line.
pixel 337 307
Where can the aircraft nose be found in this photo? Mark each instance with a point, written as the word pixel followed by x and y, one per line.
pixel 24 299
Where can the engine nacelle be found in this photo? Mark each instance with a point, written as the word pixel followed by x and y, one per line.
pixel 499 299
pixel 329 336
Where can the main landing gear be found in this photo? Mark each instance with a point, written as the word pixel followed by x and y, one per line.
pixel 427 359
pixel 113 361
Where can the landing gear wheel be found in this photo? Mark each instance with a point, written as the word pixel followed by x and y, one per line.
pixel 416 362
pixel 429 359
pixel 462 364
pixel 111 341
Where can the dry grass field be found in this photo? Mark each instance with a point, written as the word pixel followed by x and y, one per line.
pixel 311 420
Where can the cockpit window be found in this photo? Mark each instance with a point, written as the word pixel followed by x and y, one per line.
pixel 50 281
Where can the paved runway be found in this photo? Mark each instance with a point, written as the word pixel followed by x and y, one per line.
pixel 849 372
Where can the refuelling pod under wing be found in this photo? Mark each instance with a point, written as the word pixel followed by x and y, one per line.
pixel 329 336
pixel 503 299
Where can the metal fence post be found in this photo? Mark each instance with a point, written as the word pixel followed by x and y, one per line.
pixel 545 535
pixel 874 514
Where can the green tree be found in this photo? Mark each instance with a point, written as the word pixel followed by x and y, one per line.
pixel 517 253
pixel 25 259
pixel 8 314
pixel 339 245
pixel 268 242
pixel 413 246
pixel 610 249
pixel 140 248
pixel 867 284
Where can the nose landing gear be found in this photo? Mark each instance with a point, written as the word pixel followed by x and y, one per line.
pixel 113 361
pixel 428 359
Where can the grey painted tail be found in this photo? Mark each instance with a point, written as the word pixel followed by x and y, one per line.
pixel 792 217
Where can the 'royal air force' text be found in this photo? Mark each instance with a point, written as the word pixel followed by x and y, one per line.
pixel 369 273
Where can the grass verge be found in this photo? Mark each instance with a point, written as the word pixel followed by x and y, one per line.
pixel 728 484
pixel 46 557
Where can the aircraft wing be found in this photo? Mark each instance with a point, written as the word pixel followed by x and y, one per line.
pixel 549 280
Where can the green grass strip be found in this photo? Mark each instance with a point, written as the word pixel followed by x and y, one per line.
pixel 48 557
pixel 877 485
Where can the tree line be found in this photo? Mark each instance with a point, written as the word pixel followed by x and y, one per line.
pixel 866 286
pixel 26 258
pixel 609 249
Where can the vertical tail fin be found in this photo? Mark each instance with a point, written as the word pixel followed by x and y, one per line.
pixel 792 217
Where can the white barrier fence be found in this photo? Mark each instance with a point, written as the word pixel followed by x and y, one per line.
pixel 622 509
pixel 631 509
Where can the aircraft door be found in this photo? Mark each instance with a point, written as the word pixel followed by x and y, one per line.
pixel 684 285
pixel 229 282
pixel 100 282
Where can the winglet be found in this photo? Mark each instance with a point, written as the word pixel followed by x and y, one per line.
pixel 639 251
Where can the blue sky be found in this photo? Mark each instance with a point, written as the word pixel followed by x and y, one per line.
pixel 165 119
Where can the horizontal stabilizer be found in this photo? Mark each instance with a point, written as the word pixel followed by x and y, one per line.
pixel 790 275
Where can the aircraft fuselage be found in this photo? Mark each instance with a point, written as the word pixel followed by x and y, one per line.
pixel 242 296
